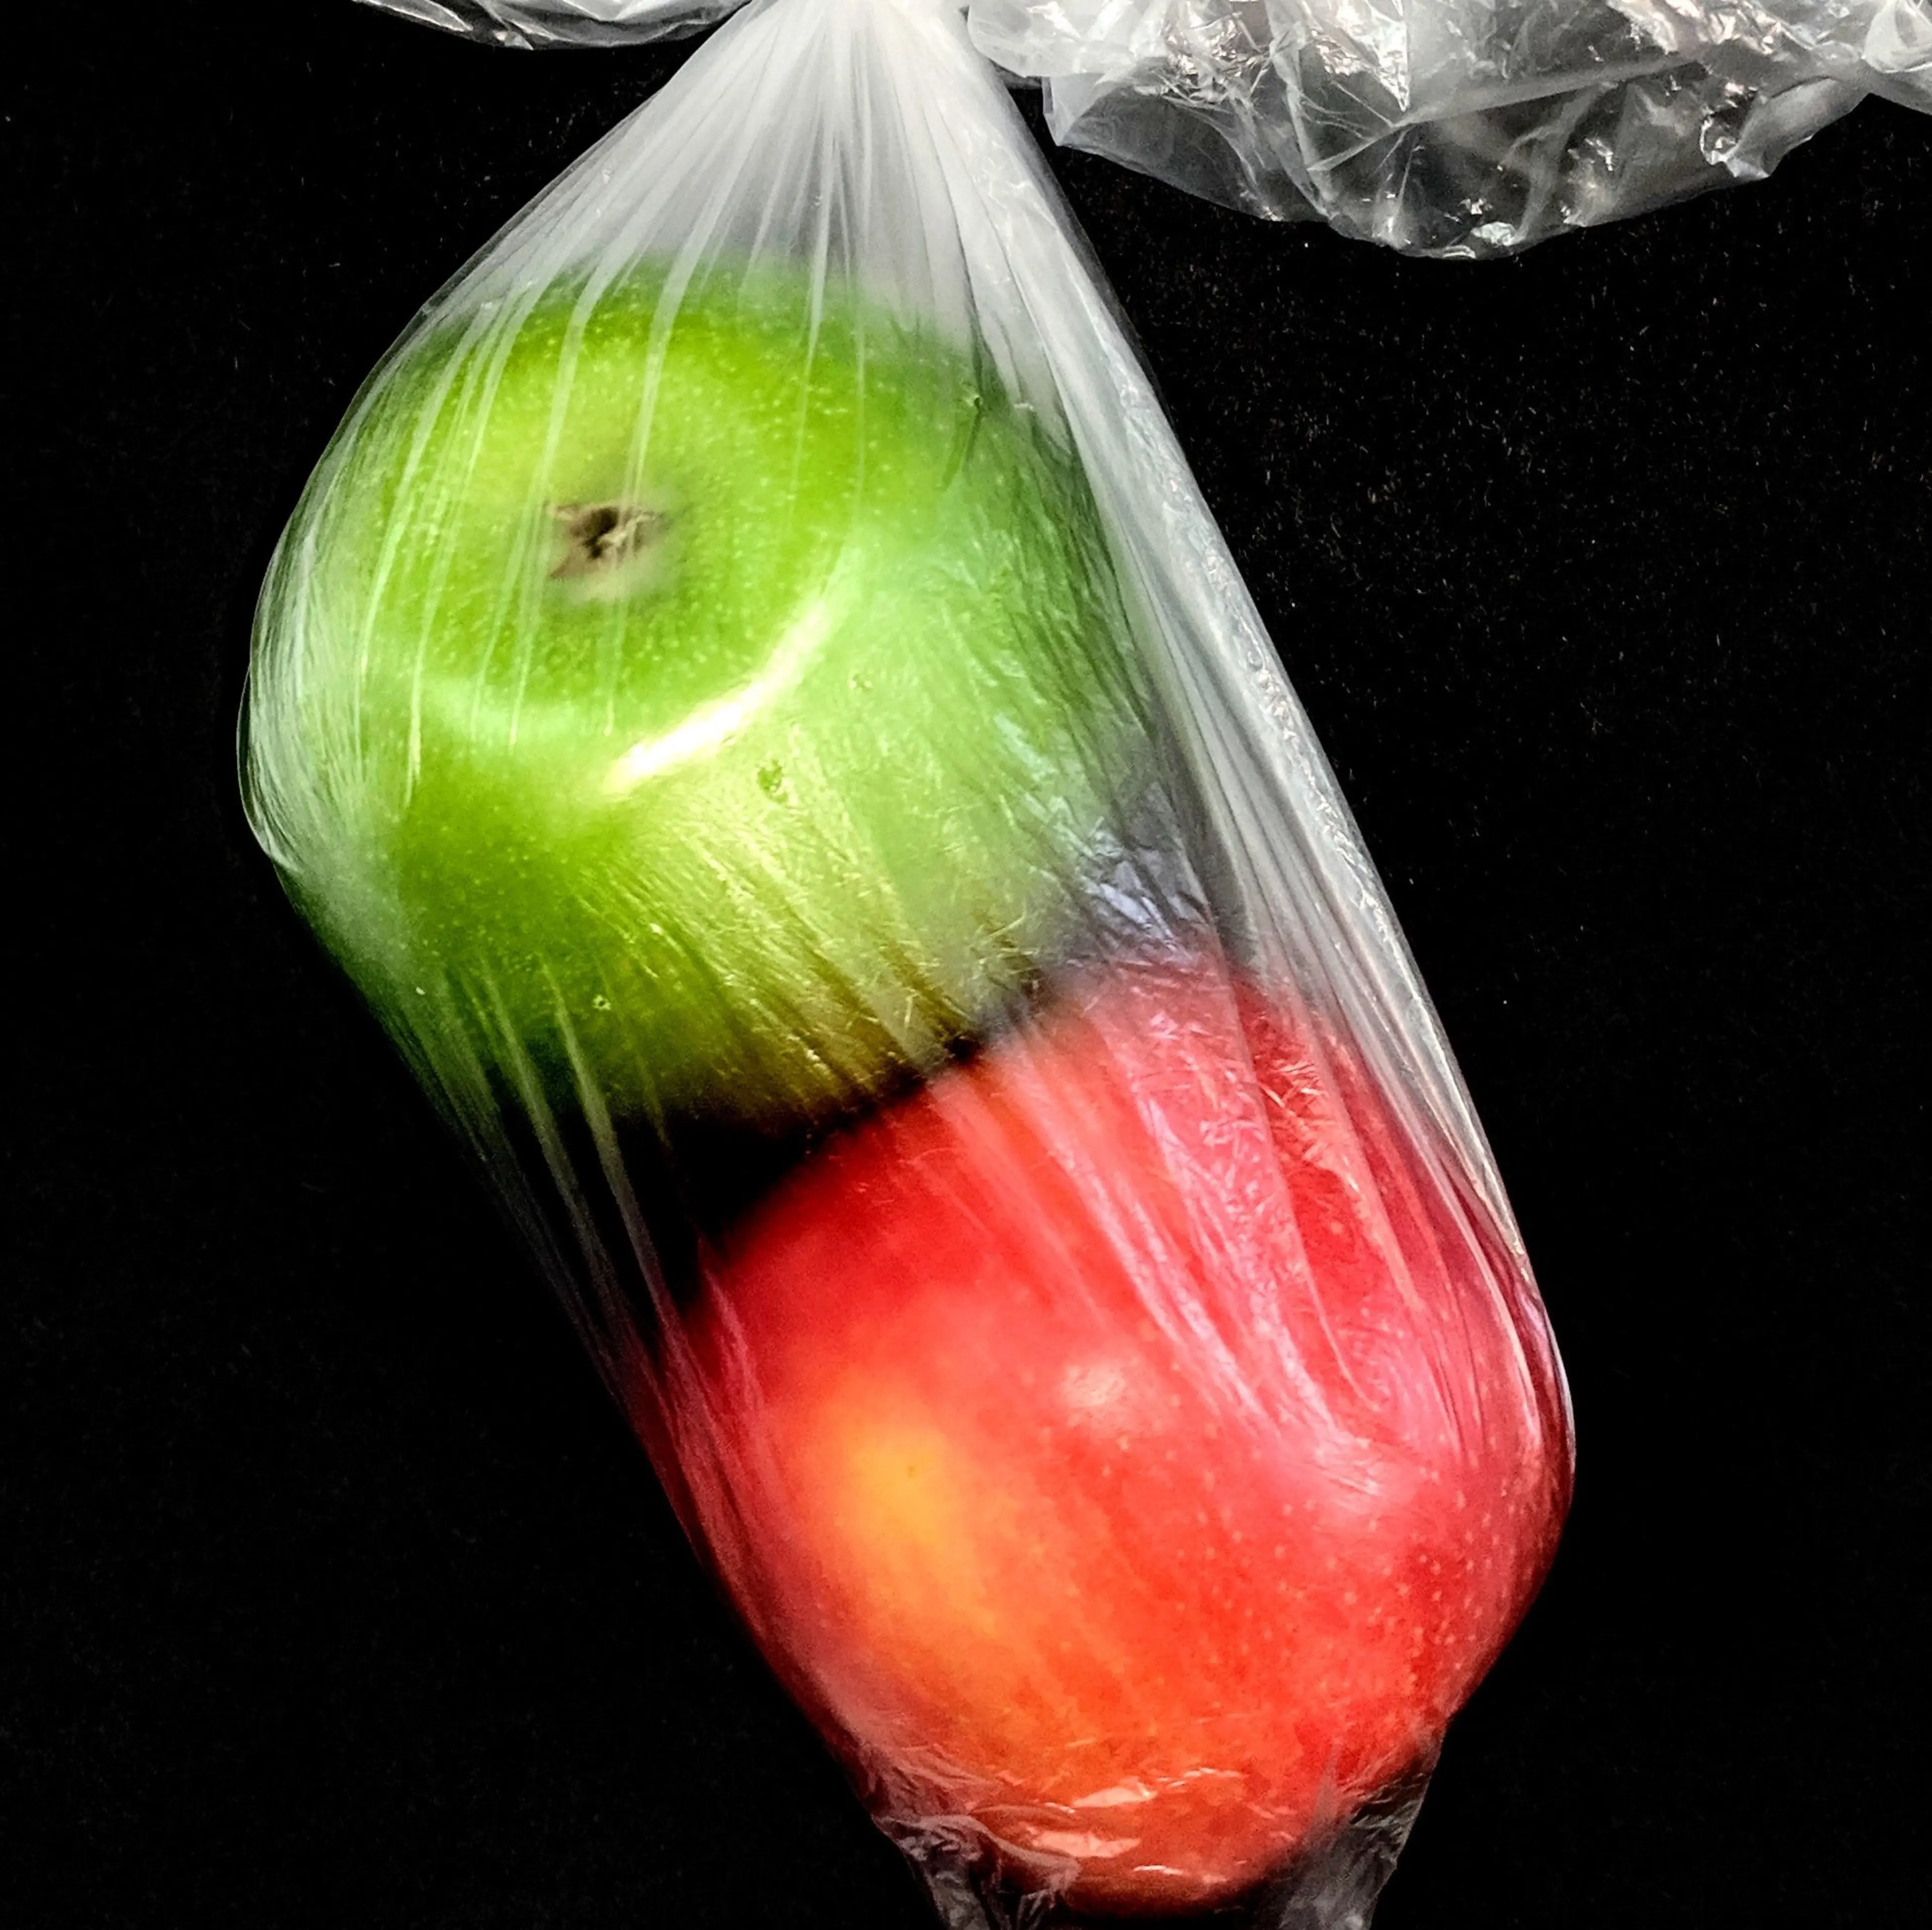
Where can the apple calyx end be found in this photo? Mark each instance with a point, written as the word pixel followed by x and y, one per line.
pixel 599 539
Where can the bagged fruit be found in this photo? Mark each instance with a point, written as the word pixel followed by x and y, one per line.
pixel 753 696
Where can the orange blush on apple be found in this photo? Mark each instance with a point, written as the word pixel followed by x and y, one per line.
pixel 1126 1447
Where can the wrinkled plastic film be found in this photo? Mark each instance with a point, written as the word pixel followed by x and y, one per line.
pixel 553 23
pixel 1456 127
pixel 754 697
pixel 1452 128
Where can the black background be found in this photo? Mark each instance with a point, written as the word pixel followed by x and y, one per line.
pixel 334 1592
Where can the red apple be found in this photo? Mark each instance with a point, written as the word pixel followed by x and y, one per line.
pixel 1132 1448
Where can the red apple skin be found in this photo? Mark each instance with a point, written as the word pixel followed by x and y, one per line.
pixel 1123 1449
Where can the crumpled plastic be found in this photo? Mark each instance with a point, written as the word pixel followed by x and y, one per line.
pixel 549 23
pixel 1445 127
pixel 754 697
pixel 1456 127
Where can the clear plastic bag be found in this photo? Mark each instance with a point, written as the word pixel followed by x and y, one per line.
pixel 584 23
pixel 1459 127
pixel 1453 128
pixel 754 698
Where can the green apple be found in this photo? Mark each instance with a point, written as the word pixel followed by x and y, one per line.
pixel 715 703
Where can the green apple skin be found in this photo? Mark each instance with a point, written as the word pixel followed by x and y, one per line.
pixel 713 706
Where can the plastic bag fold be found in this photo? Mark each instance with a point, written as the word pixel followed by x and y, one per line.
pixel 1449 127
pixel 754 697
pixel 1457 127
pixel 549 23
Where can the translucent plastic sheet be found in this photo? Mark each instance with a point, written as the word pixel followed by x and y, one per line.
pixel 584 23
pixel 1456 127
pixel 754 697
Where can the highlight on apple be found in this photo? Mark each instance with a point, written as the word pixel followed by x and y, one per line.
pixel 753 696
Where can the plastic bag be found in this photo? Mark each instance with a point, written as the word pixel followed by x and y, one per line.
pixel 754 698
pixel 1456 127
pixel 588 23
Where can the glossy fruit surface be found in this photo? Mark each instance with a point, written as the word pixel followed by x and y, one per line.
pixel 712 701
pixel 1125 1446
